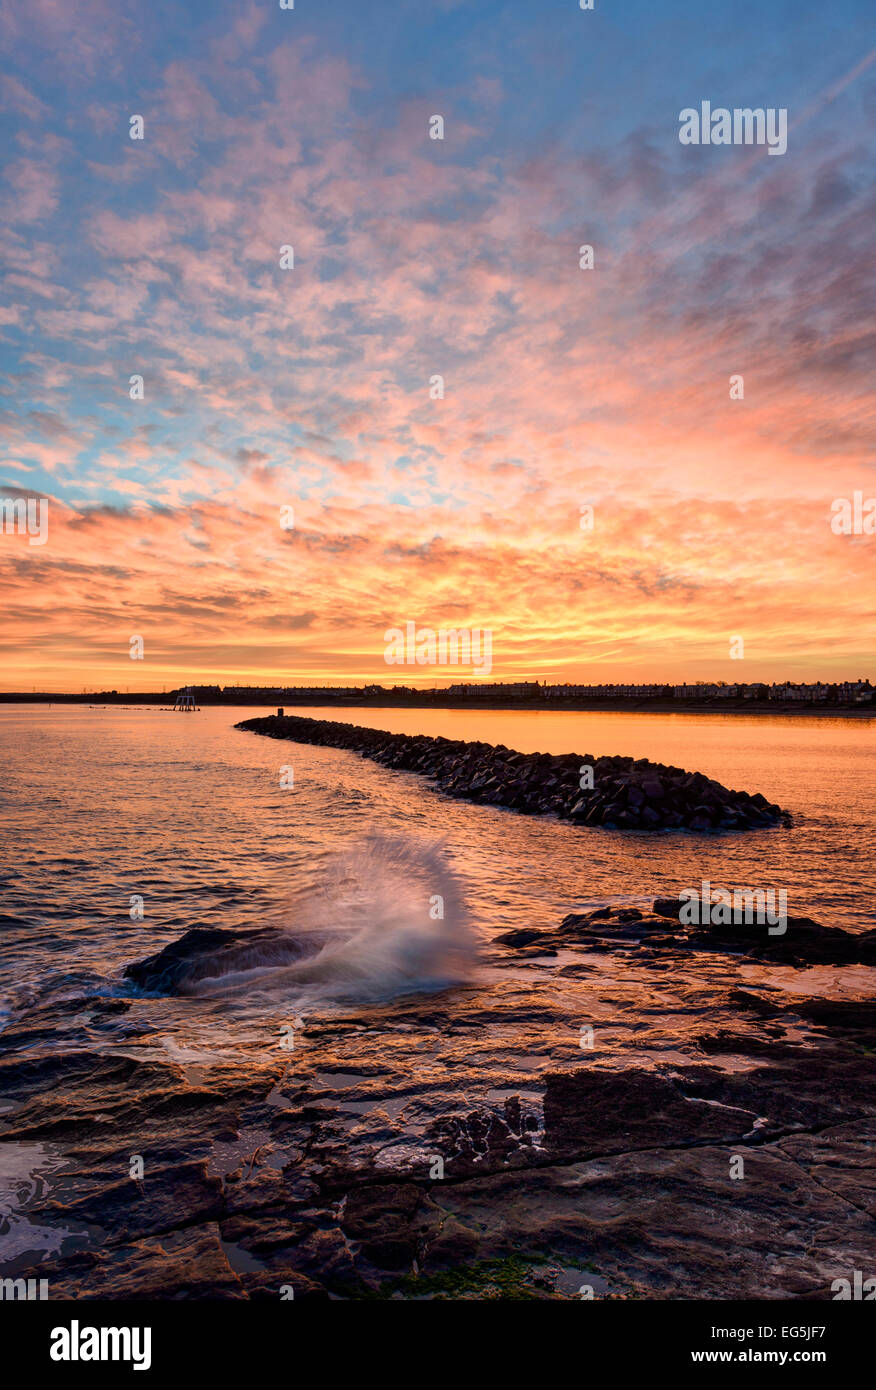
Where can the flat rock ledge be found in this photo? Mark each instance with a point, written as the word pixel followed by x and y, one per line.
pixel 661 928
pixel 627 793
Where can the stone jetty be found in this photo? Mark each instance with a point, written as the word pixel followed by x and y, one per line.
pixel 615 792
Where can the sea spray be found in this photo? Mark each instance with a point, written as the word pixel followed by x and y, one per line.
pixel 387 916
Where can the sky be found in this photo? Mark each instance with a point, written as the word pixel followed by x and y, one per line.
pixel 291 485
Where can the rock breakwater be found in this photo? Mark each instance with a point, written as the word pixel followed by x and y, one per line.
pixel 615 792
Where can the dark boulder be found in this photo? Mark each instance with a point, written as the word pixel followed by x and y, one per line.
pixel 208 952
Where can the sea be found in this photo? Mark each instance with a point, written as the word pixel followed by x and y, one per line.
pixel 125 828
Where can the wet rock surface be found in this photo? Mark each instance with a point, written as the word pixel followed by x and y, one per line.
pixel 563 1121
pixel 793 941
pixel 618 793
pixel 204 953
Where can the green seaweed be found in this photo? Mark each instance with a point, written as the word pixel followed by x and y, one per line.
pixel 510 1278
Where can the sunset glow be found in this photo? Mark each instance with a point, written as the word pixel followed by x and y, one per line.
pixel 309 387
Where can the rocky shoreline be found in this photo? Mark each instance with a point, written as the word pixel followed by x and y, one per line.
pixel 663 929
pixel 614 792
pixel 205 952
pixel 483 1149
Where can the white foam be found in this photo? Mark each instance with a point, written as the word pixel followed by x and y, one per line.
pixel 399 921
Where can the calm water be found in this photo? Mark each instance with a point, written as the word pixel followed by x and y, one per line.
pixel 187 813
